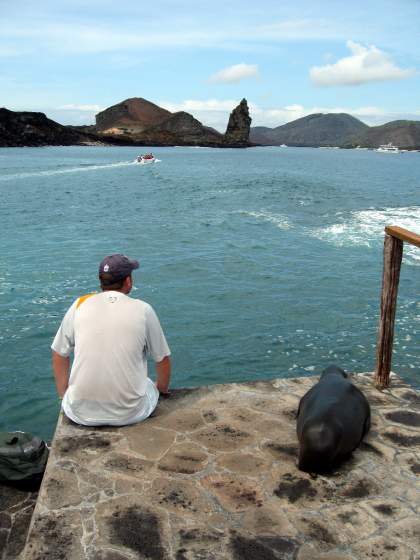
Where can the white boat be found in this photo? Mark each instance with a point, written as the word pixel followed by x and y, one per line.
pixel 145 159
pixel 388 149
pixel 283 145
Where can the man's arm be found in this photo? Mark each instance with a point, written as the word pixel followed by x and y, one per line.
pixel 61 367
pixel 163 375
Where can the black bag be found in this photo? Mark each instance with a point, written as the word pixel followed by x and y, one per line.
pixel 23 458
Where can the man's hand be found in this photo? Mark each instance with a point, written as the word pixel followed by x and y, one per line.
pixel 163 374
pixel 61 367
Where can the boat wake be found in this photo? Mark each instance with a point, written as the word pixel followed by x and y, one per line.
pixel 363 227
pixel 366 227
pixel 278 220
pixel 146 162
pixel 52 172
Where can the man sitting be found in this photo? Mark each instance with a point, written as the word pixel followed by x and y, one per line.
pixel 111 335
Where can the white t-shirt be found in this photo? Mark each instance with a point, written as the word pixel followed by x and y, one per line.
pixel 112 335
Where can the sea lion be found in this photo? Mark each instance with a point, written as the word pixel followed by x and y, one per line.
pixel 332 419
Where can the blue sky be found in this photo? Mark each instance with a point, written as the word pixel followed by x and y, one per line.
pixel 71 59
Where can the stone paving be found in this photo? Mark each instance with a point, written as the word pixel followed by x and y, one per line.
pixel 16 507
pixel 213 476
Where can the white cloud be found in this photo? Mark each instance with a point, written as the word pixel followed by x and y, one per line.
pixel 211 112
pixel 84 39
pixel 365 64
pixel 371 115
pixel 236 73
pixel 83 36
pixel 296 29
pixel 191 105
pixel 7 52
pixel 75 107
pixel 215 112
pixel 73 113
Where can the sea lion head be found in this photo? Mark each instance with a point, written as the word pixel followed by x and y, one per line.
pixel 334 370
pixel 318 448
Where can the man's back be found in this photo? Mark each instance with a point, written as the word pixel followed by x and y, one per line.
pixel 111 334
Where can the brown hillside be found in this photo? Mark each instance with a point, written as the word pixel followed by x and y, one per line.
pixel 135 113
pixel 180 129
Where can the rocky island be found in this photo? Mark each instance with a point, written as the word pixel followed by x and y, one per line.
pixel 139 122
pixel 311 131
pixel 338 129
pixel 404 134
pixel 238 129
pixel 133 122
pixel 24 128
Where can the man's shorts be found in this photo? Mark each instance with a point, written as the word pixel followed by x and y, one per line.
pixel 147 406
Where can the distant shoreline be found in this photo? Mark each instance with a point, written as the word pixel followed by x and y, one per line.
pixel 138 122
pixel 122 145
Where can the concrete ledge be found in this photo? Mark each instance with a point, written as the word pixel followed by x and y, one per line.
pixel 213 476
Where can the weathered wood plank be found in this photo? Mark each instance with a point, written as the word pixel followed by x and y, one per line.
pixel 403 235
pixel 393 250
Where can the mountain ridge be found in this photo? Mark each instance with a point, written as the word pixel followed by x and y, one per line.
pixel 402 133
pixel 142 122
pixel 139 122
pixel 134 112
pixel 26 128
pixel 317 129
pixel 133 122
pixel 338 129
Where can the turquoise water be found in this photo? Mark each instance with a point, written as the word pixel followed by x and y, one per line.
pixel 261 263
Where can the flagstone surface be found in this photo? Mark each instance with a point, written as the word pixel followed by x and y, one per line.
pixel 16 508
pixel 212 475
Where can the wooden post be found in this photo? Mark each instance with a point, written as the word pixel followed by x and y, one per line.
pixel 393 250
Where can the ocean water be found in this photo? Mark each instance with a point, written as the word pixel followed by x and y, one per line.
pixel 260 263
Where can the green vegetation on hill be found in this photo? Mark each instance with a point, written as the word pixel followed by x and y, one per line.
pixel 404 134
pixel 332 129
pixel 338 129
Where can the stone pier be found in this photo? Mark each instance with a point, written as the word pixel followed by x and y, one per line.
pixel 212 475
pixel 16 508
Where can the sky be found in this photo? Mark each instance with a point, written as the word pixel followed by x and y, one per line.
pixel 72 59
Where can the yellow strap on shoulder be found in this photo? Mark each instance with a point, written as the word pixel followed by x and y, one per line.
pixel 82 299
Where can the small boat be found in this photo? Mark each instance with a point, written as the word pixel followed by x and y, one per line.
pixel 146 158
pixel 388 149
pixel 283 145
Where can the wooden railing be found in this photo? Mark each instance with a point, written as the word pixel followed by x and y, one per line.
pixel 393 250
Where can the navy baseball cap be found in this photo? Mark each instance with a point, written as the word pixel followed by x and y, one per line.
pixel 116 267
